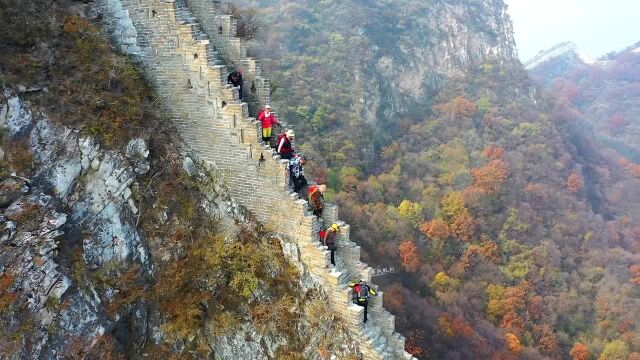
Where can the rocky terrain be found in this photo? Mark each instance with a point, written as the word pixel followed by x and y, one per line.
pixel 117 242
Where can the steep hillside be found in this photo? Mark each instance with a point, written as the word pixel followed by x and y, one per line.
pixel 349 69
pixel 560 59
pixel 503 222
pixel 604 96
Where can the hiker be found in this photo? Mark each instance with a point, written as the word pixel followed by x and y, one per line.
pixel 296 172
pixel 328 239
pixel 361 292
pixel 284 147
pixel 315 198
pixel 235 79
pixel 267 119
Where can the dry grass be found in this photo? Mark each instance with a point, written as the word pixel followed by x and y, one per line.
pixel 18 156
pixel 90 86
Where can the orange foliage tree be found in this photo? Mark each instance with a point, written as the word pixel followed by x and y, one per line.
pixel 493 152
pixel 474 253
pixel 634 356
pixel 574 182
pixel 632 169
pixel 579 352
pixel 490 251
pixel 464 227
pixel 635 273
pixel 513 322
pixel 453 326
pixel 412 345
pixel 436 228
pixel 7 297
pixel 535 307
pixel 409 256
pixel 513 343
pixel 457 108
pixel 535 189
pixel 548 341
pixel 490 178
pixel 393 300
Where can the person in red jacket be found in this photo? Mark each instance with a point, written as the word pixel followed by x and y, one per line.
pixel 267 119
pixel 284 146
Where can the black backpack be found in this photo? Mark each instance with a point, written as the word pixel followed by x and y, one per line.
pixel 361 293
pixel 364 291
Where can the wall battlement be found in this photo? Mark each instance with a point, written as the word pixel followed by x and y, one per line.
pixel 183 60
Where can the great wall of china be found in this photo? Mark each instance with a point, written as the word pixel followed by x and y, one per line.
pixel 183 47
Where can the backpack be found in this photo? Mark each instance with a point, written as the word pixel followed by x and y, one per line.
pixel 330 245
pixel 354 293
pixel 310 200
pixel 279 138
pixel 363 292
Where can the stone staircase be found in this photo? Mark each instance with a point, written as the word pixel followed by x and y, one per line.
pixel 183 60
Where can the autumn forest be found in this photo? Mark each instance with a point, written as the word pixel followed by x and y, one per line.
pixel 516 229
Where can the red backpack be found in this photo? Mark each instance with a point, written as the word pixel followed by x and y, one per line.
pixel 322 234
pixel 279 138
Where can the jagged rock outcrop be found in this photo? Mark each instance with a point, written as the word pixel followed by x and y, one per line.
pixel 436 41
pixel 79 201
pixel 561 59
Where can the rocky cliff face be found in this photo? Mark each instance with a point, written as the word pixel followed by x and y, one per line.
pixel 78 221
pixel 411 46
pixel 78 198
pixel 430 43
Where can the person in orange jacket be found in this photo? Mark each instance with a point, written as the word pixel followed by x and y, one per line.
pixel 315 198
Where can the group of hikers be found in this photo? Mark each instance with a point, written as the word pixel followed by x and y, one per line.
pixel 313 194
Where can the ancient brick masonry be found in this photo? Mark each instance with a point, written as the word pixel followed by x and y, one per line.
pixel 183 60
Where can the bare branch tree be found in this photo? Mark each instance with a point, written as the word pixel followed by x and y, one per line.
pixel 248 21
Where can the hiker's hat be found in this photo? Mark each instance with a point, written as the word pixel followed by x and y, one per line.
pixel 267 106
pixel 335 227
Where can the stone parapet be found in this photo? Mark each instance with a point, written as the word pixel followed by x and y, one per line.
pixel 183 61
pixel 222 30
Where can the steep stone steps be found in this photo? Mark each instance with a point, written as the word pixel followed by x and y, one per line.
pixel 183 61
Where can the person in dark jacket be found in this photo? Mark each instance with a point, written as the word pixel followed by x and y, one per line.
pixel 361 292
pixel 284 146
pixel 235 79
pixel 267 120
pixel 296 172
pixel 328 238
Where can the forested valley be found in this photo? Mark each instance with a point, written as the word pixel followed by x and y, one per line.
pixel 513 230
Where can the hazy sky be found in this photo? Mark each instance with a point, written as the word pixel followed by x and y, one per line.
pixel 596 26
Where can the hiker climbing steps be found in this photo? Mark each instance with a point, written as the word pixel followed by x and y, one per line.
pixel 182 46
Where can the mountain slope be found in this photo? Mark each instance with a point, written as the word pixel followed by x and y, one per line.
pixel 473 183
pixel 380 60
pixel 605 96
